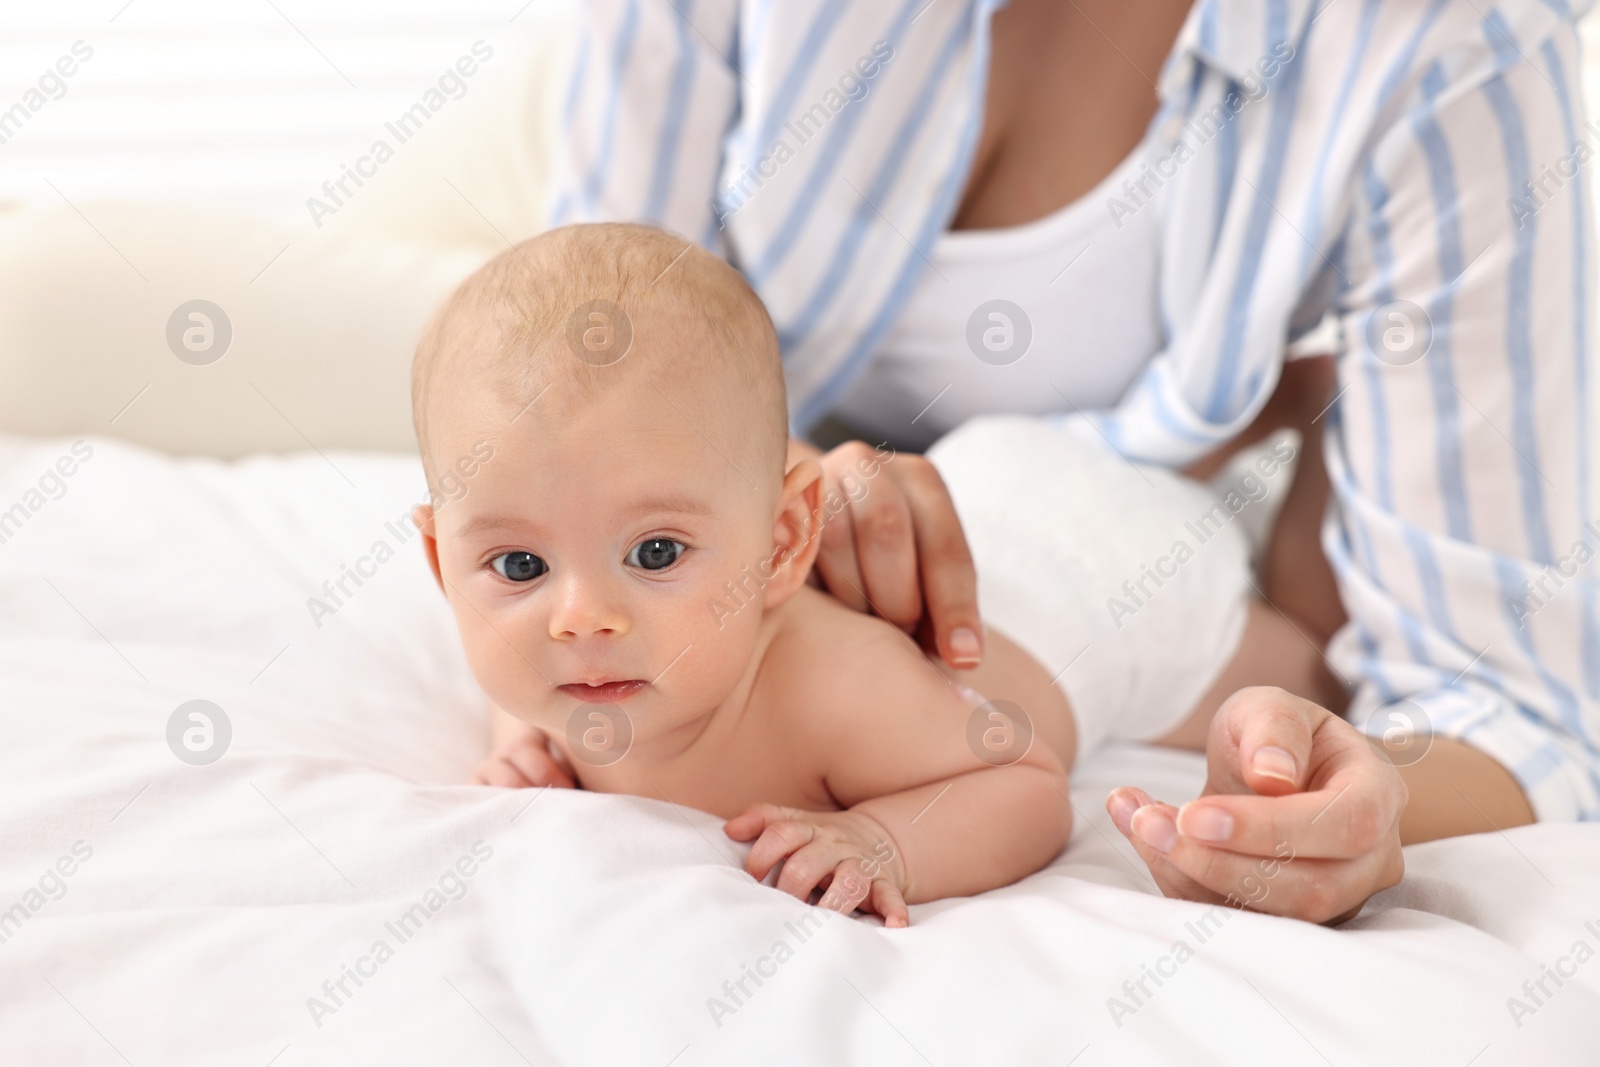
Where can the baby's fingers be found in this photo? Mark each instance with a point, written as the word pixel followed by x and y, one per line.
pixel 753 821
pixel 852 889
pixel 778 841
pixel 888 902
pixel 497 771
pixel 538 767
pixel 849 889
pixel 808 867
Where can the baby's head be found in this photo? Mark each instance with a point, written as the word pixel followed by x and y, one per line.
pixel 601 415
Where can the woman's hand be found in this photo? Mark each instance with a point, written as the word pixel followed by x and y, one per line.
pixel 892 545
pixel 1300 815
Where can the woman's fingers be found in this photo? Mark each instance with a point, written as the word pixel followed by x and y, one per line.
pixel 1193 871
pixel 1287 884
pixel 1310 782
pixel 1121 803
pixel 1312 835
pixel 1303 887
pixel 898 551
pixel 1349 817
pixel 836 562
pixel 1169 879
pixel 1266 740
pixel 949 579
pixel 886 551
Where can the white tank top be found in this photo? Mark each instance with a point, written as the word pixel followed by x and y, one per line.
pixel 1032 319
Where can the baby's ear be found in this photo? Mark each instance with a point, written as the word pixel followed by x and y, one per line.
pixel 796 533
pixel 422 519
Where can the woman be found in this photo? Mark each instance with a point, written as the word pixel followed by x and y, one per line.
pixel 1165 198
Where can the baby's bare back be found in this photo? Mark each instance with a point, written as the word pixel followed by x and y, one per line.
pixel 832 684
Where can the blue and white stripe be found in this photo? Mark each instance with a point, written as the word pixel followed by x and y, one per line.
pixel 1400 138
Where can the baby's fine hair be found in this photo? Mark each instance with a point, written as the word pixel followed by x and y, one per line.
pixel 567 305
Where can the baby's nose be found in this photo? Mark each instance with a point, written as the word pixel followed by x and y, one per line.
pixel 586 607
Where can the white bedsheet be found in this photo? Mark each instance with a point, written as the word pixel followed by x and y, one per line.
pixel 216 900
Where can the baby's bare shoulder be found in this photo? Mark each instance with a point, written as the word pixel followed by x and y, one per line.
pixel 836 671
pixel 819 631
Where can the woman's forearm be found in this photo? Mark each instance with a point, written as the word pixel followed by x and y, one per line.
pixel 1457 789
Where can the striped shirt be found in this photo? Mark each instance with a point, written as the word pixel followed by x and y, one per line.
pixel 1410 175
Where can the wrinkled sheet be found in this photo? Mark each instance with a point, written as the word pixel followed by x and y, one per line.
pixel 326 892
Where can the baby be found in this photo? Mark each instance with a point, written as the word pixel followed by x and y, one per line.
pixel 628 575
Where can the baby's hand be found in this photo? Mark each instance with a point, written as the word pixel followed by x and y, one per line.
pixel 520 760
pixel 846 853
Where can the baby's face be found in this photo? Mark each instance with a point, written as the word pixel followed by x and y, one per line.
pixel 587 558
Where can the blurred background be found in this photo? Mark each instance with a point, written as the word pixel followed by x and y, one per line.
pixel 158 152
pixel 155 153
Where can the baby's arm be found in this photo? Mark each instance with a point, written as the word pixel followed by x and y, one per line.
pixel 1001 824
pixel 519 756
pixel 926 817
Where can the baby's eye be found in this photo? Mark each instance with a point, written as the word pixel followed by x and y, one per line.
pixel 518 566
pixel 655 553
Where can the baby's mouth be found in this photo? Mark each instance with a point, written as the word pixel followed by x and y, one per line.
pixel 604 692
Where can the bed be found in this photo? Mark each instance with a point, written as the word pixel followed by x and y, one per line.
pixel 299 876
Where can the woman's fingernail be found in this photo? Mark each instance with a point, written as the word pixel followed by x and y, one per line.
pixel 1272 762
pixel 1122 807
pixel 964 645
pixel 1205 824
pixel 1155 828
